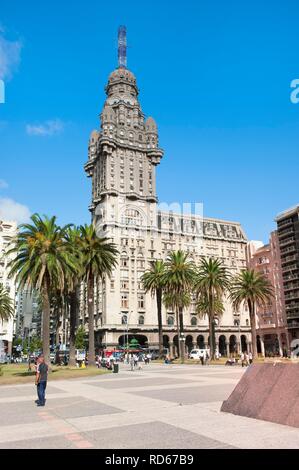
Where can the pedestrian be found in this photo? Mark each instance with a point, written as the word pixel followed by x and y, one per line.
pixel 242 359
pixel 201 357
pixel 132 362
pixel 135 358
pixel 246 359
pixel 140 361
pixel 250 358
pixel 41 380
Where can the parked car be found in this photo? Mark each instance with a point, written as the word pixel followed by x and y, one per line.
pixel 197 353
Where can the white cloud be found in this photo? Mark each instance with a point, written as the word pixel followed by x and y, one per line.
pixel 10 56
pixel 3 184
pixel 12 210
pixel 53 127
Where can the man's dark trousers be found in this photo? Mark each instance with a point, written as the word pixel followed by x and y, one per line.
pixel 41 391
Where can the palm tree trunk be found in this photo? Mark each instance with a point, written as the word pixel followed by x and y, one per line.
pixel 46 321
pixel 90 299
pixel 211 331
pixel 159 312
pixel 73 323
pixel 182 343
pixel 178 330
pixel 251 308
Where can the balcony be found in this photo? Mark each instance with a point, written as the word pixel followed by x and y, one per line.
pixel 287 259
pixel 291 277
pixel 291 267
pixel 294 314
pixel 287 241
pixel 289 249
pixel 286 232
pixel 290 287
pixel 267 325
pixel 284 223
pixel 292 296
pixel 292 305
pixel 293 324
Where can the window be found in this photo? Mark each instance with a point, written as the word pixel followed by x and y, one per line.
pixel 124 320
pixel 124 301
pixel 141 320
pixel 193 321
pixel 124 262
pixel 141 301
pixel 170 321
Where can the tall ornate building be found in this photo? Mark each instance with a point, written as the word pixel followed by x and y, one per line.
pixel 123 156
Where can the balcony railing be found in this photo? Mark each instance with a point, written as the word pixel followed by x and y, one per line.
pixel 291 277
pixel 292 296
pixel 284 223
pixel 289 249
pixel 285 232
pixel 267 325
pixel 288 259
pixel 289 287
pixel 293 324
pixel 287 241
pixel 294 314
pixel 291 267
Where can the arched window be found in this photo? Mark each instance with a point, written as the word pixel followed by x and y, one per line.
pixel 124 320
pixel 170 321
pixel 193 321
pixel 141 320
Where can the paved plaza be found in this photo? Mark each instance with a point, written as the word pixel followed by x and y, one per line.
pixel 161 406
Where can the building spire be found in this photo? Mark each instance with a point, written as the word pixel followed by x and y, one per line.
pixel 122 46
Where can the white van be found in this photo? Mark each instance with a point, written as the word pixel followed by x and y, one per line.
pixel 197 353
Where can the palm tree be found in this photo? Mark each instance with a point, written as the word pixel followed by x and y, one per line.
pixel 6 305
pixel 41 262
pixel 253 288
pixel 178 280
pixel 153 282
pixel 99 258
pixel 202 308
pixel 72 236
pixel 211 283
pixel 177 302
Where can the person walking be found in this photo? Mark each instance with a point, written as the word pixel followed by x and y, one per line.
pixel 242 357
pixel 250 358
pixel 140 361
pixel 132 362
pixel 41 380
pixel 202 357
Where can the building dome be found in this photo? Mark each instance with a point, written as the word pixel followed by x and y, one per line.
pixel 151 126
pixel 121 74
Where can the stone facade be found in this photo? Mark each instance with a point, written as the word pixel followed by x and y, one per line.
pixel 8 230
pixel 123 156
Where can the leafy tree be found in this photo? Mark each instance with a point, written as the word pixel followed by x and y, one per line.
pixel 80 338
pixel 153 281
pixel 252 288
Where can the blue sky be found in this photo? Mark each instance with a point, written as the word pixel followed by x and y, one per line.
pixel 215 75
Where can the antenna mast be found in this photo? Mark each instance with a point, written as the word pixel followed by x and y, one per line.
pixel 122 46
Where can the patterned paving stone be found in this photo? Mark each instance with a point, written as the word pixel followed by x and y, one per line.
pixel 190 395
pixel 155 435
pixel 75 407
pixel 130 382
pixel 25 391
